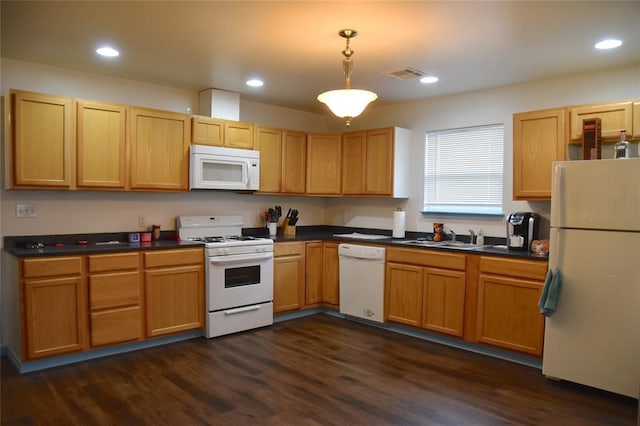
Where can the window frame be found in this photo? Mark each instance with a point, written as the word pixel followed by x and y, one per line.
pixel 493 144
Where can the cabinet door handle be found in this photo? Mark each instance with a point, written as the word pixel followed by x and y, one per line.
pixel 556 189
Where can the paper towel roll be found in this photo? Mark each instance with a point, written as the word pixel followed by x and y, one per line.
pixel 398 224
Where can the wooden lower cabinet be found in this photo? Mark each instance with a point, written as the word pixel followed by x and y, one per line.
pixel 54 316
pixel 403 293
pixel 426 289
pixel 305 275
pixel 116 325
pixel 330 274
pixel 288 276
pixel 507 308
pixel 54 308
pixel 115 298
pixel 314 273
pixel 77 303
pixel 443 297
pixel 174 295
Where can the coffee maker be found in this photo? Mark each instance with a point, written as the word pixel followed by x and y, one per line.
pixel 522 229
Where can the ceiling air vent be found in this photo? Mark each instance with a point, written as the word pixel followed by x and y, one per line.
pixel 405 74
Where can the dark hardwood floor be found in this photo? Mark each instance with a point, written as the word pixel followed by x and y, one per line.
pixel 313 370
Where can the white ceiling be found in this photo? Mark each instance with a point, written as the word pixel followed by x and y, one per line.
pixel 294 46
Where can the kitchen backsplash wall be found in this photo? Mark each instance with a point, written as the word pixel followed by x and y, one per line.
pixel 65 212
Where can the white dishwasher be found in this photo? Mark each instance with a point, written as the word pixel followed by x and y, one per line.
pixel 362 281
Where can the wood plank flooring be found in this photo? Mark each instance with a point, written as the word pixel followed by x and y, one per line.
pixel 317 370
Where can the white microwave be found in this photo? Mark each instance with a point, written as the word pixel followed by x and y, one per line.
pixel 214 167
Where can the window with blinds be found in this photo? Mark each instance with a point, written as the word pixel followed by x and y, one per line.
pixel 463 170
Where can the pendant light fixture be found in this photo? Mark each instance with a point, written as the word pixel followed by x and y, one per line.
pixel 347 103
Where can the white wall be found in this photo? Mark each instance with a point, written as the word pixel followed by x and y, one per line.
pixel 470 109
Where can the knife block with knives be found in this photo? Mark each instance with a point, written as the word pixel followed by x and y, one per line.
pixel 289 223
pixel 287 229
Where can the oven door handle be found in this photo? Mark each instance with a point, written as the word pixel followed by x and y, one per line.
pixel 241 310
pixel 237 258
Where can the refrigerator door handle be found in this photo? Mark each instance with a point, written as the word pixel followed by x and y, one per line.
pixel 554 243
pixel 556 194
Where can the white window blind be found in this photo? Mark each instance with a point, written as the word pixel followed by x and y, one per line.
pixel 463 170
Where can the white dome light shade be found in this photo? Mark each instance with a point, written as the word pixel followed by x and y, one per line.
pixel 107 51
pixel 608 44
pixel 347 102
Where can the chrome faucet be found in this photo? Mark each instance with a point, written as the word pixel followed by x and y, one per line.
pixel 472 238
pixel 452 234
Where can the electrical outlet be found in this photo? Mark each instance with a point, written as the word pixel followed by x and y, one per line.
pixel 26 210
pixel 141 222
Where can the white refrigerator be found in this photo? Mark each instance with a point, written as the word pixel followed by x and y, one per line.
pixel 593 337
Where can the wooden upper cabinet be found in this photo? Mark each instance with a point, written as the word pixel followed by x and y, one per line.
pixel 238 134
pixel 159 143
pixel 354 158
pixel 282 160
pixel 100 145
pixel 379 163
pixel 323 164
pixel 269 143
pixel 375 162
pixel 218 132
pixel 539 139
pixel 207 131
pixel 294 160
pixel 636 120
pixel 613 117
pixel 42 140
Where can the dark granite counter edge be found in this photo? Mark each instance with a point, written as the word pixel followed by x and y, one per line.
pixel 15 245
pixel 168 239
pixel 326 232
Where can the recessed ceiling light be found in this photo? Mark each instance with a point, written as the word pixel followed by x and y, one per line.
pixel 610 43
pixel 107 51
pixel 255 83
pixel 429 79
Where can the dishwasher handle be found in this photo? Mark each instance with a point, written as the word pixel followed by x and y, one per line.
pixel 362 253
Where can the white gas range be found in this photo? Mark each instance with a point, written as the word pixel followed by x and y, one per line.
pixel 239 273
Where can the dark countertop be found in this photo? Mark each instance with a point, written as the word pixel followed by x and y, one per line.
pixel 168 240
pixel 327 233
pixel 70 246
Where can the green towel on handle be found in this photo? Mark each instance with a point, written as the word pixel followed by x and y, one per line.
pixel 549 298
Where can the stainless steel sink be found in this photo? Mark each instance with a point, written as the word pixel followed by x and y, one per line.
pixel 427 243
pixel 461 245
